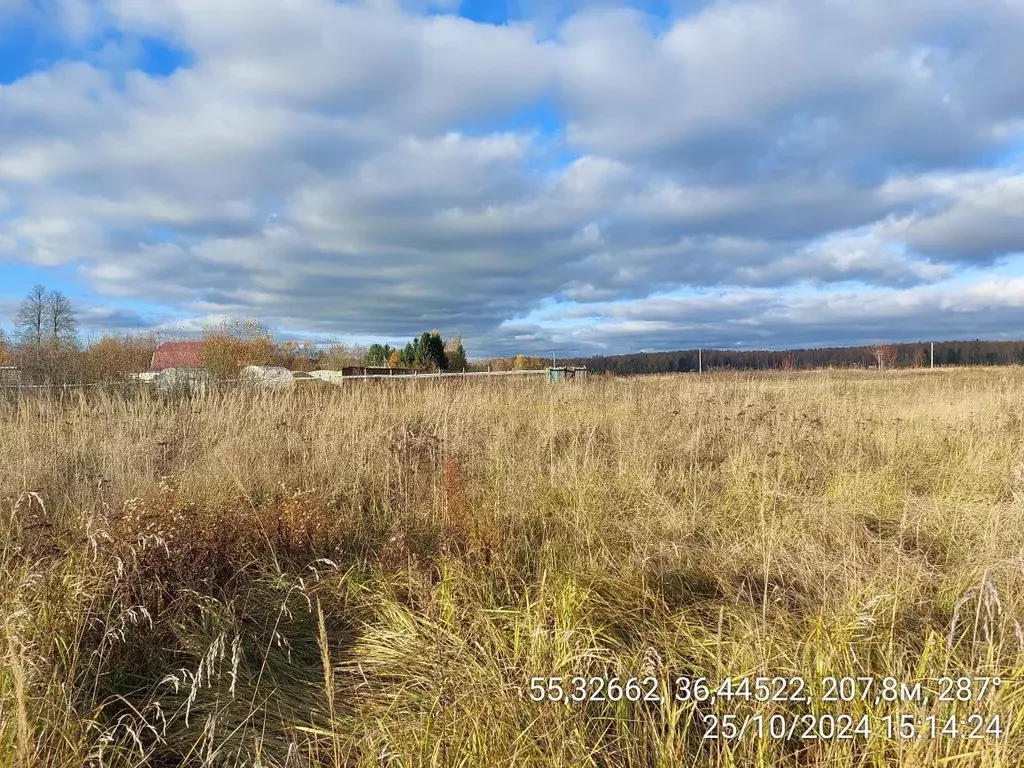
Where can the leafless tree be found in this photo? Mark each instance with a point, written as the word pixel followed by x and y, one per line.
pixel 885 355
pixel 47 334
pixel 30 323
pixel 46 318
pixel 61 323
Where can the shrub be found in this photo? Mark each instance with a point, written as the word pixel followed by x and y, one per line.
pixel 232 345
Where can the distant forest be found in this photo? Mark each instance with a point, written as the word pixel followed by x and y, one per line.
pixel 899 356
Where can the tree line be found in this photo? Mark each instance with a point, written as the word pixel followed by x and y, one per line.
pixel 907 355
pixel 428 351
pixel 48 348
pixel 231 346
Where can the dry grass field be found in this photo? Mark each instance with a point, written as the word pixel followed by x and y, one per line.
pixel 373 575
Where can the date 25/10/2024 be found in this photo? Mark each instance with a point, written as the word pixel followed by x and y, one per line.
pixel 903 727
pixel 580 690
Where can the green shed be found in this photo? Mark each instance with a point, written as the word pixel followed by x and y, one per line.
pixel 567 373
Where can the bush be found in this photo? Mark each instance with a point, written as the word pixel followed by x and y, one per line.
pixel 115 356
pixel 234 344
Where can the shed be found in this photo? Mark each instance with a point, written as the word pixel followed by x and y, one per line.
pixel 567 373
pixel 178 354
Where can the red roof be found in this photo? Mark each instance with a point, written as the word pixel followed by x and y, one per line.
pixel 178 354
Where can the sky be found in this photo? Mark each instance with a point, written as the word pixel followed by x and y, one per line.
pixel 570 176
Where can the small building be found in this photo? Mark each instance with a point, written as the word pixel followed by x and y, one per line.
pixel 567 373
pixel 177 354
pixel 10 376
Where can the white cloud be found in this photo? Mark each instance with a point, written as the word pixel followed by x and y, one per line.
pixel 372 59
pixel 79 19
pixel 773 82
pixel 351 167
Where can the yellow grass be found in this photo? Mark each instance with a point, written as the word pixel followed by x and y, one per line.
pixel 371 575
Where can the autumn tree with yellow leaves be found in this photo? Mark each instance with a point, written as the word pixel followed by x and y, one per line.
pixel 233 344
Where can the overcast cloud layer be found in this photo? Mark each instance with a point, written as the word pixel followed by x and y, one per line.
pixel 766 173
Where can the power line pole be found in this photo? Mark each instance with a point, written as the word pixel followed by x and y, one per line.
pixel 700 360
pixel 933 355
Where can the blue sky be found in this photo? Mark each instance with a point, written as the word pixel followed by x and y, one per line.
pixel 591 177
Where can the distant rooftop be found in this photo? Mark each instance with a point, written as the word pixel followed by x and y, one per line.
pixel 178 354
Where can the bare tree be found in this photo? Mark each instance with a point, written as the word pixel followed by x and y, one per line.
pixel 47 334
pixel 885 355
pixel 61 323
pixel 30 323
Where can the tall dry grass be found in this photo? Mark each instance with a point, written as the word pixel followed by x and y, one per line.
pixel 370 575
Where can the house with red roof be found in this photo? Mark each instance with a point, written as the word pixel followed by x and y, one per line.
pixel 178 354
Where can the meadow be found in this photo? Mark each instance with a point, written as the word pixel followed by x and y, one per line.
pixel 374 574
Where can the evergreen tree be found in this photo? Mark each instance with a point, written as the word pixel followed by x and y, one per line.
pixel 435 347
pixel 378 355
pixel 408 355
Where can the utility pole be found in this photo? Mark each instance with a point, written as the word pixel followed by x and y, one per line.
pixel 700 360
pixel 933 355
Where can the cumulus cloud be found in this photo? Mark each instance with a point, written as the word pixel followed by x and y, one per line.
pixel 372 168
pixel 762 86
pixel 979 222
